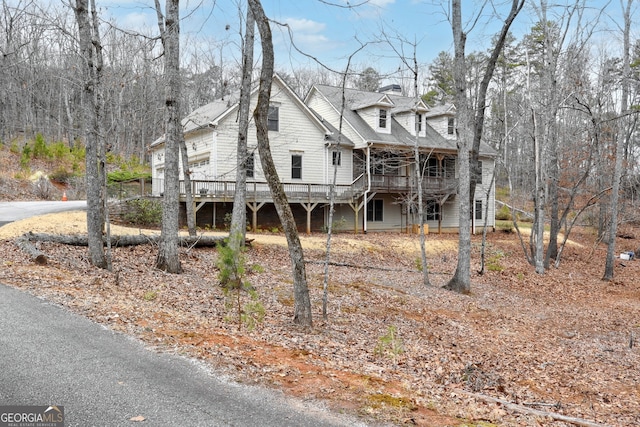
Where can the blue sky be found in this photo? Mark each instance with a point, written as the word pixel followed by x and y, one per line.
pixel 331 33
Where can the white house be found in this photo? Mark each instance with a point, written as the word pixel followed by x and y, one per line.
pixel 372 159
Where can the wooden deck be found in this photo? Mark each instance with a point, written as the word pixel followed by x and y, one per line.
pixel 224 191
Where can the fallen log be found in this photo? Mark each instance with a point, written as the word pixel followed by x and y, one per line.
pixel 37 255
pixel 125 240
pixel 525 410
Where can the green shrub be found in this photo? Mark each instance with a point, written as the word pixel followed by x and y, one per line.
pixel 40 149
pixel 390 344
pixel 493 262
pixel 25 158
pixel 150 295
pixel 121 175
pixel 79 153
pixel 59 151
pixel 143 212
pixel 231 274
pixel 128 170
pixel 504 213
pixel 113 159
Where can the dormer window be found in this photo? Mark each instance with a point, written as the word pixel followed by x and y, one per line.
pixel 418 122
pixel 451 126
pixel 382 119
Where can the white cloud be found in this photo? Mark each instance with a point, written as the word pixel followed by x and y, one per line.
pixel 306 26
pixel 308 34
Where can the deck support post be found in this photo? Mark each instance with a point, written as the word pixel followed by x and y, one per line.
pixel 255 207
pixel 309 207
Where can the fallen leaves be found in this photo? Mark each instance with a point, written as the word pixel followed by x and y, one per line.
pixel 556 339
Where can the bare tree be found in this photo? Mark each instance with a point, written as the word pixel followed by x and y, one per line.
pixel 168 257
pixel 620 144
pixel 469 128
pixel 302 302
pixel 412 65
pixel 91 50
pixel 238 229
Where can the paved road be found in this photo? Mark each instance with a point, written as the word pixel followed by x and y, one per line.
pixel 14 211
pixel 49 356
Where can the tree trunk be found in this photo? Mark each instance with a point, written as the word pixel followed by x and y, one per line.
pixel 481 101
pixel 168 257
pixel 461 280
pixel 548 143
pixel 37 255
pixel 91 51
pixel 537 231
pixel 186 174
pixel 126 240
pixel 238 229
pixel 302 302
pixel 469 134
pixel 622 133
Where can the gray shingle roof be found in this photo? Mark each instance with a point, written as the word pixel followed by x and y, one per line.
pixel 399 136
pixel 203 116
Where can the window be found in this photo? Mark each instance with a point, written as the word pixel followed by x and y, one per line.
pixel 382 119
pixel 336 158
pixel 273 118
pixel 478 209
pixel 451 124
pixel 198 164
pixel 418 122
pixel 432 211
pixel 296 166
pixel 249 165
pixel 374 210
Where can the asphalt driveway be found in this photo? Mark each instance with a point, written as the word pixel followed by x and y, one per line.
pixel 50 356
pixel 14 211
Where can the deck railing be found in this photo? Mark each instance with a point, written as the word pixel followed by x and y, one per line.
pixel 398 183
pixel 225 190
pixel 298 192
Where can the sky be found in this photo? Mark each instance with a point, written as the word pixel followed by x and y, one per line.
pixel 330 31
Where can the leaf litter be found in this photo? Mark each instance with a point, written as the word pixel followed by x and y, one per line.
pixel 562 342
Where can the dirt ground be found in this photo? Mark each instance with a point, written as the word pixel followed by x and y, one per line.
pixel 521 350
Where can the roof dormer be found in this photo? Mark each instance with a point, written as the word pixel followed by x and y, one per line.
pixel 375 109
pixel 373 99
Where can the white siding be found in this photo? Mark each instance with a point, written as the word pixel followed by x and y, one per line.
pixel 481 192
pixel 328 113
pixel 371 115
pixel 203 140
pixel 296 135
pixel 408 121
pixel 441 125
